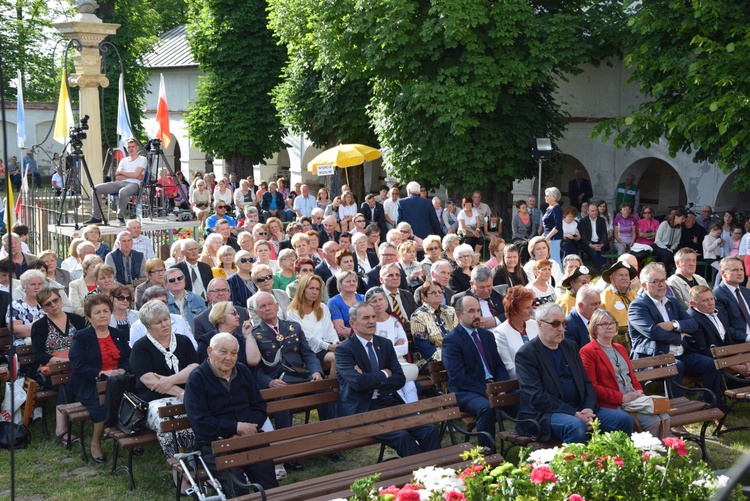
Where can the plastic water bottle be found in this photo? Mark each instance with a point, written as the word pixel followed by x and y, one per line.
pixel 139 210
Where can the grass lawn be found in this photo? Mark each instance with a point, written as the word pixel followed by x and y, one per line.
pixel 46 471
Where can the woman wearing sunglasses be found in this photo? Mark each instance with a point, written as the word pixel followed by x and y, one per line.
pixel 51 337
pixel 122 316
pixel 241 283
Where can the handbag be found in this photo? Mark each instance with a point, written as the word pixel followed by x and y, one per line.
pixel 131 418
pixel 291 374
pixel 647 404
pixel 22 435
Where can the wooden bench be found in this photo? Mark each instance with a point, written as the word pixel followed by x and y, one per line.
pixel 78 413
pixel 735 388
pixel 504 394
pixel 43 395
pixel 333 435
pixel 129 443
pixel 439 377
pixel 683 411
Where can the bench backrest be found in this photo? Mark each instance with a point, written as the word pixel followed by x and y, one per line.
pixel 500 396
pixel 306 439
pixel 438 376
pixel 734 354
pixel 174 418
pixel 25 355
pixel 301 396
pixel 654 368
pixel 4 339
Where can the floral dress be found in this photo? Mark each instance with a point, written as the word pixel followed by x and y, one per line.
pixel 21 310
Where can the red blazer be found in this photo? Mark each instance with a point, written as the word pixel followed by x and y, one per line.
pixel 602 374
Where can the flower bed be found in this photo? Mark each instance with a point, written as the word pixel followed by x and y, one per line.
pixel 611 466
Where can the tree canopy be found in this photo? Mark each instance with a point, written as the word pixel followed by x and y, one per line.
pixel 456 89
pixel 689 60
pixel 233 115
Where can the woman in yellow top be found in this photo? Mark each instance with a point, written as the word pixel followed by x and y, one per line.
pixel 226 267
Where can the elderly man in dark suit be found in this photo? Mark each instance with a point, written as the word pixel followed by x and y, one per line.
pixel 490 301
pixel 419 213
pixel 369 375
pixel 555 390
pixel 594 235
pixel 216 292
pixel 587 302
pixel 400 301
pixel 329 233
pixel 471 360
pixel 440 272
pixel 658 324
pixel 387 254
pixel 197 274
pixel 374 213
pixel 734 298
pixel 579 189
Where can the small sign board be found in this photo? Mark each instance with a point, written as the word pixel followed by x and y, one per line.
pixel 325 170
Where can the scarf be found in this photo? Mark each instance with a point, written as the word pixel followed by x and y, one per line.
pixel 169 357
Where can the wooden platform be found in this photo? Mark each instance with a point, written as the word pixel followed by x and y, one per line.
pixel 157 224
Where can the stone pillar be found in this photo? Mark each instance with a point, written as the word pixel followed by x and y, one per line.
pixel 90 31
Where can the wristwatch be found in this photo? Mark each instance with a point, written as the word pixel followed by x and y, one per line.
pixel 675 324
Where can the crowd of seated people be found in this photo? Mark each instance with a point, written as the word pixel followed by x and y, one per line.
pixel 286 277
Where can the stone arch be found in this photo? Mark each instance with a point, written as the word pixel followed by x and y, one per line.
pixel 561 173
pixel 660 184
pixel 728 198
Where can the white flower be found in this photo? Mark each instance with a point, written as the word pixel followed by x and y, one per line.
pixel 711 482
pixel 438 480
pixel 543 456
pixel 721 481
pixel 645 441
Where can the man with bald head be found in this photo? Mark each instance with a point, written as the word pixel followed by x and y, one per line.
pixel 419 213
pixel 222 400
pixel 329 233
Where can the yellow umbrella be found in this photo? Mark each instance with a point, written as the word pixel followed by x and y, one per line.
pixel 344 155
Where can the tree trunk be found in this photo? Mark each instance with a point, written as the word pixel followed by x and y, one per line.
pixel 240 165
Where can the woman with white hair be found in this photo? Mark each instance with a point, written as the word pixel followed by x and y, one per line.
pixel 552 222
pixel 241 283
pixel 226 267
pixel 175 253
pixel 209 254
pixel 366 261
pixel 461 275
pixel 24 310
pixel 162 362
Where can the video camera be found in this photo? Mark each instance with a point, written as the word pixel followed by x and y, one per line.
pixel 77 135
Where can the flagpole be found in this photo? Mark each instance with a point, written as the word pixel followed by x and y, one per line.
pixel 12 352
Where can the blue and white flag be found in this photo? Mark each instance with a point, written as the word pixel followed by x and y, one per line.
pixel 20 121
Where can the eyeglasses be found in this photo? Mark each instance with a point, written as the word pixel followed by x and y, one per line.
pixel 656 282
pixel 260 280
pixel 123 298
pixel 405 232
pixel 435 293
pixel 162 270
pixel 608 325
pixel 51 302
pixel 430 249
pixel 176 279
pixel 235 313
pixel 465 256
pixel 245 260
pixel 218 291
pixel 388 255
pixel 359 221
pixel 556 324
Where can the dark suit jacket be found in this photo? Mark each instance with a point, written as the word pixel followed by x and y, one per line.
pixel 201 324
pixel 324 272
pixel 495 298
pixel 324 237
pixel 728 302
pixel 576 330
pixel 295 351
pixel 420 214
pixel 584 227
pixel 707 334
pixel 574 191
pixel 266 203
pixel 86 359
pixel 648 338
pixel 372 279
pixel 355 389
pixel 379 218
pixel 205 273
pixel 541 393
pixel 463 363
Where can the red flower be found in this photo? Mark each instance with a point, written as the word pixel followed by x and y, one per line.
pixel 454 496
pixel 389 490
pixel 542 474
pixel 647 455
pixel 618 461
pixel 407 494
pixel 677 444
pixel 576 497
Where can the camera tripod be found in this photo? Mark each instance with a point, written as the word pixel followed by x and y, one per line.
pixel 73 170
pixel 155 157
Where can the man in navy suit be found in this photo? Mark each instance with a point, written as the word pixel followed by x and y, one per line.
pixel 588 301
pixel 733 275
pixel 329 233
pixel 555 390
pixel 387 254
pixel 579 189
pixel 594 235
pixel 374 213
pixel 471 360
pixel 328 267
pixel 658 324
pixel 419 213
pixel 197 274
pixel 369 376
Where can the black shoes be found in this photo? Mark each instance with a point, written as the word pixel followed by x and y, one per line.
pixel 93 220
pixel 294 466
pixel 336 457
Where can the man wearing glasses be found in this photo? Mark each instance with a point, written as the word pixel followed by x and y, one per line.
pixel 387 254
pixel 181 301
pixel 197 274
pixel 659 324
pixel 734 298
pixel 555 390
pixel 156 293
pixel 220 212
pixel 217 292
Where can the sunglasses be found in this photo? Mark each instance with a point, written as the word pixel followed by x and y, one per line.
pixel 123 298
pixel 556 324
pixel 430 249
pixel 262 233
pixel 260 280
pixel 176 279
pixel 221 206
pixel 51 302
pixel 246 260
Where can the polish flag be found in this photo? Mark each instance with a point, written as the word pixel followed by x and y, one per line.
pixel 162 116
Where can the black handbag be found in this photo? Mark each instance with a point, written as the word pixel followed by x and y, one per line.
pixel 133 413
pixel 22 435
pixel 293 374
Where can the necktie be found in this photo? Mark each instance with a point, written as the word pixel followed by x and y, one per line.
pixel 197 286
pixel 493 311
pixel 477 342
pixel 396 308
pixel 743 307
pixel 373 357
pixel 128 275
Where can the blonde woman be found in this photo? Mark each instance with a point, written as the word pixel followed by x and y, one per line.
pixel 226 267
pixel 210 248
pixel 347 211
pixel 200 201
pixel 70 262
pixel 80 288
pixel 414 272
